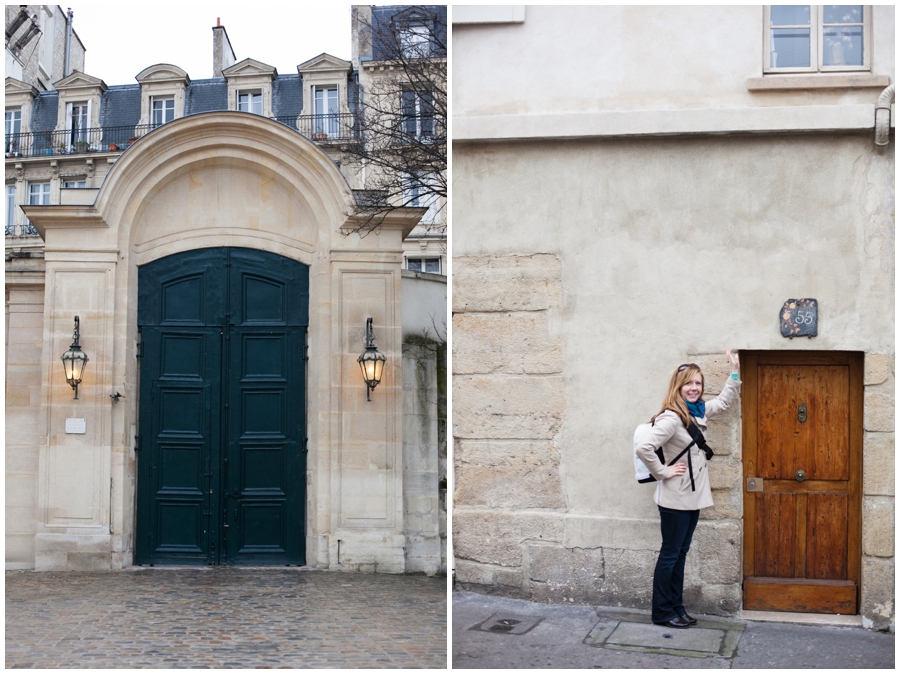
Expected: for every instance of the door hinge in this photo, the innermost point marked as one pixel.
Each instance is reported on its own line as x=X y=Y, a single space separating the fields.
x=305 y=449
x=139 y=350
x=137 y=443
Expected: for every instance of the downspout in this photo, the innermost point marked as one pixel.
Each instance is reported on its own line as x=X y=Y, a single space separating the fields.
x=883 y=117
x=66 y=71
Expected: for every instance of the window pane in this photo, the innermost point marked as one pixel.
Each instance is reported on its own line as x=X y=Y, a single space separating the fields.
x=414 y=264
x=10 y=210
x=790 y=48
x=843 y=46
x=790 y=15
x=843 y=13
x=433 y=266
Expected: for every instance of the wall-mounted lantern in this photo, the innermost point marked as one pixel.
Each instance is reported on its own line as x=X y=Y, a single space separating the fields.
x=371 y=362
x=74 y=361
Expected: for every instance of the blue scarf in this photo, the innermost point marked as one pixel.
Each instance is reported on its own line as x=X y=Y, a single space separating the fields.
x=697 y=409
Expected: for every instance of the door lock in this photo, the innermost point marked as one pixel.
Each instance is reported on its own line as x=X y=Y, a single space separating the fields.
x=800 y=475
x=802 y=414
x=754 y=484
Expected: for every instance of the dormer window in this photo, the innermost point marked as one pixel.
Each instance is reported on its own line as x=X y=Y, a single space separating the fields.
x=162 y=110
x=326 y=111
x=250 y=101
x=78 y=117
x=13 y=129
x=415 y=41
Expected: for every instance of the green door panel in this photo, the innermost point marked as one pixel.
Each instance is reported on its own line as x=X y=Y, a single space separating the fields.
x=222 y=468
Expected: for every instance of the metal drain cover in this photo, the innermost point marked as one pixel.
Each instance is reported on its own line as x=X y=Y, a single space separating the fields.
x=508 y=623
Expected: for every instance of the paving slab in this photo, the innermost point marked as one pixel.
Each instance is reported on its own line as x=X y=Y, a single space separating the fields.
x=575 y=637
x=224 y=617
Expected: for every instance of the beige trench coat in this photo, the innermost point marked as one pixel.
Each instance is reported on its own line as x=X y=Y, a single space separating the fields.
x=669 y=433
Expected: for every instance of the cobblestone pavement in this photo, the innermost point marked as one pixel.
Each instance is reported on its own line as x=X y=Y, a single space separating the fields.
x=224 y=617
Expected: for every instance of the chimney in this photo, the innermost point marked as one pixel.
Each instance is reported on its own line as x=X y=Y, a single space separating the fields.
x=223 y=54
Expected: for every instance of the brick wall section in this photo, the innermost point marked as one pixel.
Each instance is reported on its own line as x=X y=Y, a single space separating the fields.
x=508 y=409
x=878 y=492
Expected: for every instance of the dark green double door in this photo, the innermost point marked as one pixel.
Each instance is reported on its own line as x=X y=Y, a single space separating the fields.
x=222 y=463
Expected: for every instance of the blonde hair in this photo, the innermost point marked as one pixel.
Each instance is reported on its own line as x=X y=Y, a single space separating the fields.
x=674 y=401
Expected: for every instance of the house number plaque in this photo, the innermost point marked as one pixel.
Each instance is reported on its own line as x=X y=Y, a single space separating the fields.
x=800 y=318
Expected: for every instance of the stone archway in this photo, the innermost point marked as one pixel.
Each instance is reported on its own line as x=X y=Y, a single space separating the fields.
x=211 y=180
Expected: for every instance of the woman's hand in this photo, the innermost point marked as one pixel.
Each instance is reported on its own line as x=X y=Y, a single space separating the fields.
x=675 y=470
x=733 y=361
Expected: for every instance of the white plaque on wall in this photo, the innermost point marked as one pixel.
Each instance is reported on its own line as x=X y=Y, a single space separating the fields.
x=76 y=426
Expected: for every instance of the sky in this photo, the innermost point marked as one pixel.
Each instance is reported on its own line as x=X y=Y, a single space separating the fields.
x=122 y=39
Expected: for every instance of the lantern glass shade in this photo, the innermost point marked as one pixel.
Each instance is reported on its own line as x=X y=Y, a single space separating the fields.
x=372 y=365
x=74 y=361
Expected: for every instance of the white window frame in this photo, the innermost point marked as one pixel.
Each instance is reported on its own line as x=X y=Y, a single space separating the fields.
x=429 y=200
x=166 y=110
x=73 y=135
x=39 y=197
x=422 y=261
x=253 y=100
x=418 y=113
x=816 y=43
x=11 y=208
x=326 y=108
x=13 y=126
x=74 y=184
x=412 y=38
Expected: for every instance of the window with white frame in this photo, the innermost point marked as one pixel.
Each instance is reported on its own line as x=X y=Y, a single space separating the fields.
x=325 y=107
x=419 y=190
x=78 y=116
x=818 y=38
x=13 y=128
x=250 y=101
x=75 y=184
x=10 y=227
x=417 y=113
x=430 y=265
x=415 y=41
x=38 y=195
x=162 y=110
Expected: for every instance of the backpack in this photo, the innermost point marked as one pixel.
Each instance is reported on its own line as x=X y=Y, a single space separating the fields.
x=642 y=473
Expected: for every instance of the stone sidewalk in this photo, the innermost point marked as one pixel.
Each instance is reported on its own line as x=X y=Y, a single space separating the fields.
x=224 y=617
x=492 y=632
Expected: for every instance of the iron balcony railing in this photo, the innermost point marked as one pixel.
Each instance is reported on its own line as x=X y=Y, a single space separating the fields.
x=331 y=128
x=73 y=141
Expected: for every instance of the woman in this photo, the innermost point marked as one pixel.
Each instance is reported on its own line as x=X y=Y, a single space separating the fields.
x=682 y=489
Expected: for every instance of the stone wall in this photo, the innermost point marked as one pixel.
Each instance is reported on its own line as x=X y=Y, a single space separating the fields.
x=424 y=512
x=628 y=256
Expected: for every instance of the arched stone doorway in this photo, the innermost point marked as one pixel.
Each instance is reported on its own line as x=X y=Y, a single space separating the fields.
x=208 y=181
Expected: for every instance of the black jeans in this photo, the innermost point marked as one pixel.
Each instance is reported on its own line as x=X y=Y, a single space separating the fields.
x=668 y=580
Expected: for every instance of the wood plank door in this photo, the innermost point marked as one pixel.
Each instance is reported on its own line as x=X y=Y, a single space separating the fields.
x=802 y=428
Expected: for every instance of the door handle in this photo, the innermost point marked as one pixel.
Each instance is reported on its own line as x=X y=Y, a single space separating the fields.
x=800 y=475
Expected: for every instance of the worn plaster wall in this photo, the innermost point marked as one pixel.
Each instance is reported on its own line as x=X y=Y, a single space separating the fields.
x=630 y=256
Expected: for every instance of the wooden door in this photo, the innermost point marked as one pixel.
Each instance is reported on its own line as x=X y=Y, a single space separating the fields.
x=802 y=428
x=222 y=465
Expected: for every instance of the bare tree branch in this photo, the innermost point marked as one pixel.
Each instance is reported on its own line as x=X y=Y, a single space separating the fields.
x=403 y=119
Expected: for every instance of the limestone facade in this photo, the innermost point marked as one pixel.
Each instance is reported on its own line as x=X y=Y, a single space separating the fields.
x=657 y=203
x=205 y=179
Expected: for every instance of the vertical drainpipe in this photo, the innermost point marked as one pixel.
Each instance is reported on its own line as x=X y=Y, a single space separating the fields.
x=67 y=66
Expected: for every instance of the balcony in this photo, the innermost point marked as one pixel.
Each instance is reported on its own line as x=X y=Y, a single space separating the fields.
x=322 y=129
x=78 y=141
